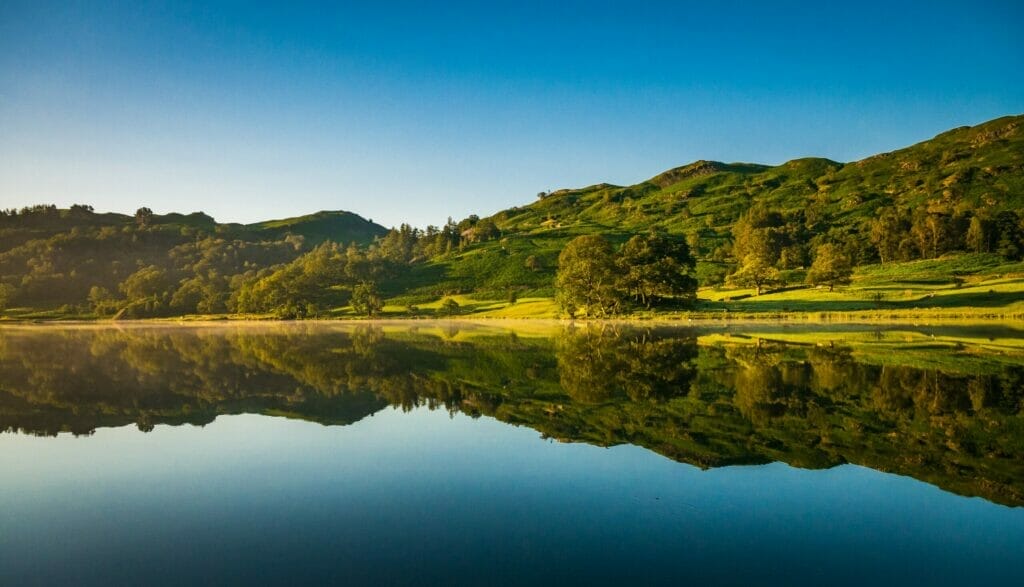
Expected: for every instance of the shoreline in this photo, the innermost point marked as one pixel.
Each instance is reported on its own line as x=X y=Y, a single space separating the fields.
x=733 y=319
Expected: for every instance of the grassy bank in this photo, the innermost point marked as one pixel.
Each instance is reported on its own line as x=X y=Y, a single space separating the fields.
x=966 y=288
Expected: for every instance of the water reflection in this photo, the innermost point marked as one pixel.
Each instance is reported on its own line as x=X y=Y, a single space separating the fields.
x=950 y=415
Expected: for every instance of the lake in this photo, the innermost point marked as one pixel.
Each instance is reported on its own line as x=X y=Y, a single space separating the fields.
x=459 y=453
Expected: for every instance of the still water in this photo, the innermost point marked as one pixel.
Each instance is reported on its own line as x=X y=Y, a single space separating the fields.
x=455 y=453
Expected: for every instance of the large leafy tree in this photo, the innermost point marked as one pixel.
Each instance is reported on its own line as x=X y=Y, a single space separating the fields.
x=366 y=299
x=759 y=239
x=655 y=266
x=586 y=280
x=757 y=271
x=933 y=233
x=831 y=267
x=760 y=231
x=143 y=216
x=7 y=292
x=148 y=282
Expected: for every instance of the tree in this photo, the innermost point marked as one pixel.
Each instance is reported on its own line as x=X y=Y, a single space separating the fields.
x=656 y=266
x=148 y=282
x=100 y=299
x=1011 y=236
x=188 y=295
x=979 y=235
x=7 y=292
x=81 y=211
x=887 y=232
x=759 y=229
x=831 y=266
x=759 y=238
x=449 y=307
x=586 y=277
x=215 y=296
x=365 y=299
x=756 y=271
x=143 y=216
x=932 y=232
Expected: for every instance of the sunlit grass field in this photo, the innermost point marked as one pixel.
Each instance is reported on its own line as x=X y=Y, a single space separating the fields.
x=955 y=288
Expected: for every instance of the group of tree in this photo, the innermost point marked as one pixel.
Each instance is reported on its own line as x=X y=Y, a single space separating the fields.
x=596 y=280
x=901 y=235
x=407 y=244
x=768 y=242
x=327 y=276
x=144 y=266
x=148 y=265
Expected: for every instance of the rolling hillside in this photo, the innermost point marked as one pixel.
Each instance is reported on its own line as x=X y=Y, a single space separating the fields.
x=975 y=170
x=934 y=225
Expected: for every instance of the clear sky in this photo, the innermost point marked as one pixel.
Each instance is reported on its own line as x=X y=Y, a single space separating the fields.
x=417 y=111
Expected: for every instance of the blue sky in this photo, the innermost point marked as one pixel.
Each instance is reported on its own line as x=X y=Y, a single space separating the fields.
x=417 y=111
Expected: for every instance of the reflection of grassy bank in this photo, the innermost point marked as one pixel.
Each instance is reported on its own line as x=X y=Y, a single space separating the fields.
x=970 y=351
x=942 y=404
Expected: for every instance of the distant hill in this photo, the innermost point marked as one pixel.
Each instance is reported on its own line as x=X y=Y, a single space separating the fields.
x=51 y=257
x=337 y=226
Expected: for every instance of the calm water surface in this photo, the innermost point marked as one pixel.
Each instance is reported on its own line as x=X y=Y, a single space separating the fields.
x=461 y=454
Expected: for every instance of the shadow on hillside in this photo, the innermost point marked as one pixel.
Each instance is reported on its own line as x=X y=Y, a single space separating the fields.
x=974 y=299
x=424 y=275
x=968 y=299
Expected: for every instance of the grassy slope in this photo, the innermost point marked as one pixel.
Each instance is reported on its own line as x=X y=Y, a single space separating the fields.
x=974 y=168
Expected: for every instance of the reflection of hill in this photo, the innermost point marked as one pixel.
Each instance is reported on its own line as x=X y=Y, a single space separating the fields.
x=709 y=404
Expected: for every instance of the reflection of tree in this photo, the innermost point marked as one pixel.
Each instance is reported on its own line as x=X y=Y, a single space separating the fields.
x=766 y=386
x=589 y=364
x=833 y=367
x=902 y=392
x=597 y=364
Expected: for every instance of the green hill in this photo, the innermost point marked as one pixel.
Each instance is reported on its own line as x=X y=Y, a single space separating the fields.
x=959 y=174
x=337 y=226
x=936 y=225
x=977 y=169
x=68 y=262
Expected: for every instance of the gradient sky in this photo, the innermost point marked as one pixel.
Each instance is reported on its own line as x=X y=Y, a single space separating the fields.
x=417 y=111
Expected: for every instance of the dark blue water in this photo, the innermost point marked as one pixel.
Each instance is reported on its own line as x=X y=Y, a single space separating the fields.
x=423 y=497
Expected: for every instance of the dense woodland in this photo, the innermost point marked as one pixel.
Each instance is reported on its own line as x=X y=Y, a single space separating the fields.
x=600 y=250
